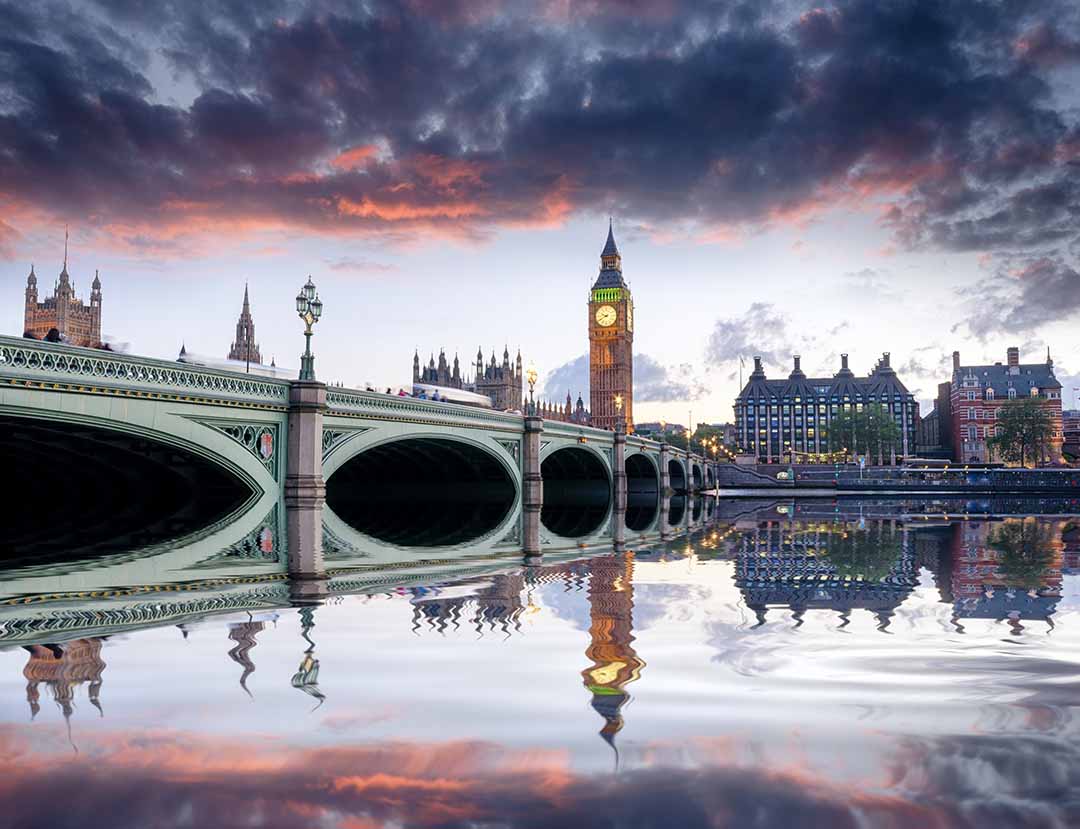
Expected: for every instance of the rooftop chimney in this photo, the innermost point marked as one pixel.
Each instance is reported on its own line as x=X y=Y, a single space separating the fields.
x=797 y=360
x=1013 y=356
x=956 y=361
x=758 y=370
x=843 y=362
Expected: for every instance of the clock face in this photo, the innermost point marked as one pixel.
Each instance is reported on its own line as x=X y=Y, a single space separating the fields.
x=630 y=316
x=606 y=315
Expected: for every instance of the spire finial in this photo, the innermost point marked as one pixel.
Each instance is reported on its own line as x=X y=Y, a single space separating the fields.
x=65 y=245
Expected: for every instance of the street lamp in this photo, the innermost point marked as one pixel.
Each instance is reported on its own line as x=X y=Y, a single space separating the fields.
x=663 y=429
x=530 y=377
x=309 y=309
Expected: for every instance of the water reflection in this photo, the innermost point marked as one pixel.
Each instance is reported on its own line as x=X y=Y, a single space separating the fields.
x=810 y=664
x=611 y=623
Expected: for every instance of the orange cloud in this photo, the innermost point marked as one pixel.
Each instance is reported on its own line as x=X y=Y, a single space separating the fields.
x=354 y=157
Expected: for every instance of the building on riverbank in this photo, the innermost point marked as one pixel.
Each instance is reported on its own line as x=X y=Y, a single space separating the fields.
x=787 y=419
x=75 y=322
x=978 y=393
x=502 y=383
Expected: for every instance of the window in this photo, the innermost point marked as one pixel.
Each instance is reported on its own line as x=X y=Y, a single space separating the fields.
x=970 y=414
x=971 y=433
x=989 y=394
x=1012 y=394
x=971 y=395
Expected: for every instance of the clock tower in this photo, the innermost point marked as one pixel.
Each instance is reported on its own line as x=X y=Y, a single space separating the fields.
x=611 y=342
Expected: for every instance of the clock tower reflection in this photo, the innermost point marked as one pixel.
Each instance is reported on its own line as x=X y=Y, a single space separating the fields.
x=614 y=662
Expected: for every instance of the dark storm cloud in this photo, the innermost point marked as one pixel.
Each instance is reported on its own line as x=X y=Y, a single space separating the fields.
x=653 y=381
x=467 y=116
x=173 y=779
x=1024 y=297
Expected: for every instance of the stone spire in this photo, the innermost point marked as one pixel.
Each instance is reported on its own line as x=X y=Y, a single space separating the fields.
x=610 y=248
x=244 y=346
x=610 y=264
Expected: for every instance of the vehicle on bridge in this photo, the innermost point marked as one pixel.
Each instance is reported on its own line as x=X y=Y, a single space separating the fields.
x=236 y=365
x=451 y=395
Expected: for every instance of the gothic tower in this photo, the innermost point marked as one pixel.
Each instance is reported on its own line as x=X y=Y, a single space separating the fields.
x=611 y=342
x=76 y=323
x=244 y=347
x=31 y=301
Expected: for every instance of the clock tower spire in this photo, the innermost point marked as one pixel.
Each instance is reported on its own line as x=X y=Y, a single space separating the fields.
x=611 y=342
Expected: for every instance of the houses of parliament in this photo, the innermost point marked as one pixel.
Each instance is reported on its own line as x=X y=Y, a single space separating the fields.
x=611 y=366
x=63 y=316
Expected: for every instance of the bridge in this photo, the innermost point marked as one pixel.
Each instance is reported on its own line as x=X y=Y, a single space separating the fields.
x=112 y=449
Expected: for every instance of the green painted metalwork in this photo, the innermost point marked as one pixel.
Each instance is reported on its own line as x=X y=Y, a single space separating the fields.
x=607 y=294
x=89 y=370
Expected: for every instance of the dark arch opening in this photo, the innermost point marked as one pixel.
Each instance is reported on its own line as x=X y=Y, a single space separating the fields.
x=577 y=492
x=677 y=474
x=422 y=492
x=710 y=478
x=78 y=491
x=699 y=505
x=642 y=493
x=676 y=510
x=696 y=473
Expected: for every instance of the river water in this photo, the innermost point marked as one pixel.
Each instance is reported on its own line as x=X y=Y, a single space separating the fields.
x=813 y=663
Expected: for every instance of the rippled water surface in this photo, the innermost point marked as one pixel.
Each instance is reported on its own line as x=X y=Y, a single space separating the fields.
x=783 y=664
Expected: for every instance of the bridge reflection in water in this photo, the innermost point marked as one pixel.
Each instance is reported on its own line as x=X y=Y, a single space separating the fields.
x=789 y=559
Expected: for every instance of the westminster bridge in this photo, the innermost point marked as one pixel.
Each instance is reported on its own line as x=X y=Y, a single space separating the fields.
x=114 y=451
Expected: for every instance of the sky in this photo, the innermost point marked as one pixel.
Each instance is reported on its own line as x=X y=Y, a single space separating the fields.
x=857 y=177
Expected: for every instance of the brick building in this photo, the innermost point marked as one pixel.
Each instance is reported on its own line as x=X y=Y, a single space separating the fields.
x=75 y=322
x=977 y=395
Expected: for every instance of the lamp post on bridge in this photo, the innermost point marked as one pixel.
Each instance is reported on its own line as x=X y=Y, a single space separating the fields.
x=530 y=377
x=309 y=309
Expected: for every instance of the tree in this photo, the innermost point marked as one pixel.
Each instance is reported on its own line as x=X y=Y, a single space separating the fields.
x=872 y=431
x=1027 y=553
x=1023 y=431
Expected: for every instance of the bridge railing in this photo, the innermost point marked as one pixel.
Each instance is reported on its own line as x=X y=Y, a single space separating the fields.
x=70 y=368
x=356 y=403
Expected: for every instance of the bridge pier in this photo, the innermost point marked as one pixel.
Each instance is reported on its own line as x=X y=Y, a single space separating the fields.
x=532 y=488
x=618 y=478
x=665 y=471
x=305 y=490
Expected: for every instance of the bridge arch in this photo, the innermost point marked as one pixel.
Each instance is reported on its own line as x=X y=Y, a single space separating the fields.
x=89 y=485
x=677 y=474
x=710 y=477
x=695 y=472
x=426 y=489
x=577 y=491
x=642 y=491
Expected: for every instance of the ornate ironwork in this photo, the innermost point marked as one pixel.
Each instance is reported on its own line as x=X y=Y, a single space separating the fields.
x=260 y=439
x=513 y=447
x=333 y=439
x=90 y=370
x=354 y=403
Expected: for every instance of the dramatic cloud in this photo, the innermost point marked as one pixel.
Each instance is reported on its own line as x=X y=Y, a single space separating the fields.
x=1023 y=298
x=174 y=779
x=653 y=381
x=759 y=332
x=406 y=119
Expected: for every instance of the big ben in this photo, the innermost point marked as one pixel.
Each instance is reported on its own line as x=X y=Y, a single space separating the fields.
x=611 y=343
